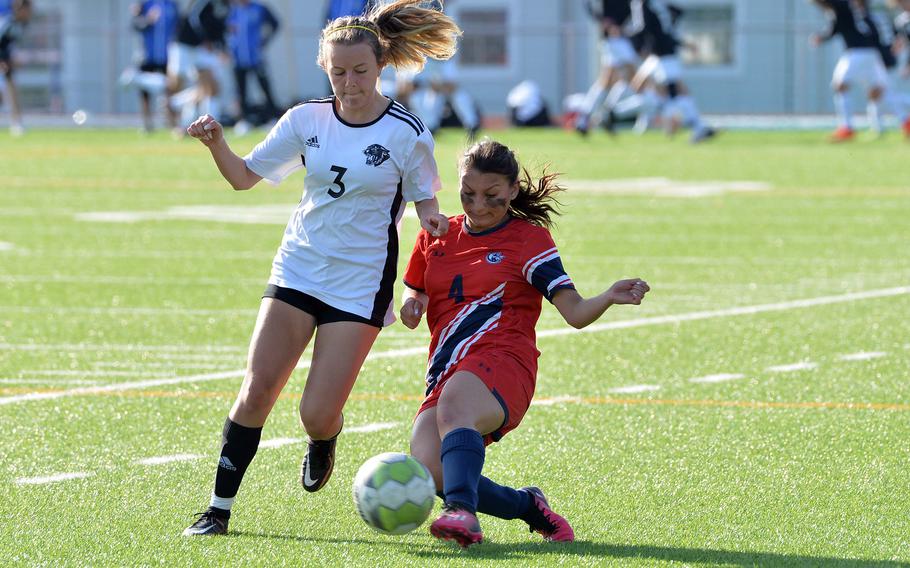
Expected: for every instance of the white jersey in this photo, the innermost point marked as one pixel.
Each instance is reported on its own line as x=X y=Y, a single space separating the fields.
x=341 y=243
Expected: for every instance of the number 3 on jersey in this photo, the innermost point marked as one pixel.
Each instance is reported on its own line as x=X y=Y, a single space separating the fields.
x=337 y=181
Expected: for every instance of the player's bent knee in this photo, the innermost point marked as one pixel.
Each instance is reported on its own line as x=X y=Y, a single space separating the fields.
x=319 y=424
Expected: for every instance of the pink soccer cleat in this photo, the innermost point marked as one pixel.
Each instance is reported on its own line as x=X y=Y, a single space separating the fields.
x=543 y=520
x=459 y=525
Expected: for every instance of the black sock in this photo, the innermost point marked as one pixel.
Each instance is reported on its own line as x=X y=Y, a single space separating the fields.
x=238 y=446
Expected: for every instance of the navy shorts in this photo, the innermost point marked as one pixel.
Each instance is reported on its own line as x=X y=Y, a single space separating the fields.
x=323 y=312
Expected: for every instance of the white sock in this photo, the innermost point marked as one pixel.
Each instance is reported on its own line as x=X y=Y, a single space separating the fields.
x=616 y=94
x=222 y=502
x=896 y=104
x=875 y=116
x=842 y=106
x=593 y=99
x=689 y=110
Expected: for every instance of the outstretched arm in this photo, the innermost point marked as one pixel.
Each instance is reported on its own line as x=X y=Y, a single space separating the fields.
x=234 y=169
x=580 y=312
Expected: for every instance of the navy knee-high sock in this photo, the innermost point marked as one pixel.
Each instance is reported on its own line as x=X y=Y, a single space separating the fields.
x=462 y=454
x=501 y=501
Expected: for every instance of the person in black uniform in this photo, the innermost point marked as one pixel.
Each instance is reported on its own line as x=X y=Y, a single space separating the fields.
x=653 y=27
x=617 y=60
x=197 y=56
x=861 y=61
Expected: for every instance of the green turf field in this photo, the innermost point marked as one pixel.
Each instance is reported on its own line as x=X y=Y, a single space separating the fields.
x=754 y=411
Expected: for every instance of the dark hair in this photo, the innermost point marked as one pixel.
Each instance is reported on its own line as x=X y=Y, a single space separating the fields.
x=402 y=34
x=535 y=202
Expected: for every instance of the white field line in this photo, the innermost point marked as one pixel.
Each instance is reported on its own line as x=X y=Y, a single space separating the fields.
x=395 y=353
x=278 y=442
x=161 y=460
x=173 y=458
x=740 y=311
x=52 y=478
x=791 y=367
x=119 y=347
x=46 y=381
x=634 y=389
x=556 y=400
x=718 y=378
x=68 y=373
x=862 y=356
x=6 y=246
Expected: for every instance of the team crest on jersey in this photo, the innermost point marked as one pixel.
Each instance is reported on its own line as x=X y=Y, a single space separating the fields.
x=495 y=257
x=376 y=155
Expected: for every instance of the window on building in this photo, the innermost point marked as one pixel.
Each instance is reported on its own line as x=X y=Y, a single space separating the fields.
x=710 y=30
x=38 y=57
x=484 y=43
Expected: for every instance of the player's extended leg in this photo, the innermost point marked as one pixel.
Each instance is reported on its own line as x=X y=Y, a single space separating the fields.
x=466 y=410
x=280 y=336
x=338 y=354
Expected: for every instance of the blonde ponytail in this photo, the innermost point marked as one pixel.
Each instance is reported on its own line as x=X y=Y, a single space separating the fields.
x=401 y=34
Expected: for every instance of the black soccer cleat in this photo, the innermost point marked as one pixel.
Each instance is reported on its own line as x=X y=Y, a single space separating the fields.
x=210 y=522
x=318 y=462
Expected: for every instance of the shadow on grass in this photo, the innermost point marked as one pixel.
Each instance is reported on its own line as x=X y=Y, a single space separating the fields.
x=592 y=550
x=693 y=556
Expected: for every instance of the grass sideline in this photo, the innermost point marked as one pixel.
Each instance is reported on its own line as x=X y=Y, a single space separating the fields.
x=789 y=448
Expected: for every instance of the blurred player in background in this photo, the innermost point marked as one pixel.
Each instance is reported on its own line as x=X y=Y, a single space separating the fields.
x=12 y=26
x=617 y=60
x=658 y=81
x=251 y=27
x=334 y=274
x=861 y=62
x=156 y=21
x=196 y=57
x=481 y=286
x=895 y=102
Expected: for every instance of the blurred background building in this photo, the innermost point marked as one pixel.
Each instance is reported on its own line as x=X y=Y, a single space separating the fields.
x=753 y=55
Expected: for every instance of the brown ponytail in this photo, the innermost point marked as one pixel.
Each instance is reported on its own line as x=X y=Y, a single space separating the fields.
x=401 y=34
x=536 y=202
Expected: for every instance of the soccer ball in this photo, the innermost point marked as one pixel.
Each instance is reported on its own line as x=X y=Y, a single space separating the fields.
x=394 y=493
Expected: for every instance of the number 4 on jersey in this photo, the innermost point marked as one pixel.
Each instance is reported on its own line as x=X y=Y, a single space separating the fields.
x=456 y=290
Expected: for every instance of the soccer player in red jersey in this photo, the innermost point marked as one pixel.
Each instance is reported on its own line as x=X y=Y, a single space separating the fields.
x=481 y=287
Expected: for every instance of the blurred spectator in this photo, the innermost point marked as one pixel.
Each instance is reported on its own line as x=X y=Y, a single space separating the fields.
x=527 y=106
x=156 y=21
x=428 y=93
x=12 y=26
x=251 y=26
x=341 y=8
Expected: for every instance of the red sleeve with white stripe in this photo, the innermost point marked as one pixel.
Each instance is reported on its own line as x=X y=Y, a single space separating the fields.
x=543 y=266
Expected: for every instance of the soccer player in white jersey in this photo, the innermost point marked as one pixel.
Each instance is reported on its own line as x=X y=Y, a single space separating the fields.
x=333 y=275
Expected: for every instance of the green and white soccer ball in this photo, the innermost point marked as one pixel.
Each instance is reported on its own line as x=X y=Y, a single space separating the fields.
x=394 y=493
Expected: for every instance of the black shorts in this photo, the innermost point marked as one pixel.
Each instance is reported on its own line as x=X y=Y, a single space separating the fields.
x=323 y=312
x=153 y=68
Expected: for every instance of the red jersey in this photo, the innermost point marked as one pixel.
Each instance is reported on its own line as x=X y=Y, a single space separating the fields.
x=484 y=290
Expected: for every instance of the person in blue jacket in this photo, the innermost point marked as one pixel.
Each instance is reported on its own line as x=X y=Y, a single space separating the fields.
x=251 y=26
